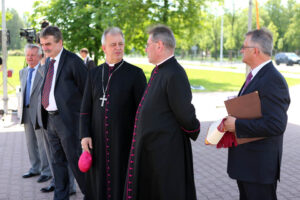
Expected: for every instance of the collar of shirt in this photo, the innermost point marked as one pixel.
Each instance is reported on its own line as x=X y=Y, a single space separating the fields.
x=34 y=72
x=35 y=67
x=86 y=59
x=57 y=58
x=164 y=60
x=259 y=67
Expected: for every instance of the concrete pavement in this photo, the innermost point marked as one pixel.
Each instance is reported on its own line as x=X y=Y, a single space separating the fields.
x=212 y=181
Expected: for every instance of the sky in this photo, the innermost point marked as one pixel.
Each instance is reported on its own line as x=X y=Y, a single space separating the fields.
x=22 y=7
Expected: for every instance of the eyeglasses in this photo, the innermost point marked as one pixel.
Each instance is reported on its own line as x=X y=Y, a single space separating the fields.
x=246 y=47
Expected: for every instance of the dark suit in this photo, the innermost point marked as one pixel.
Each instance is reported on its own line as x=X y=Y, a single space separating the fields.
x=259 y=162
x=63 y=128
x=89 y=63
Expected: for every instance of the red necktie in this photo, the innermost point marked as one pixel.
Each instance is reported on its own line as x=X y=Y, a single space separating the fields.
x=47 y=85
x=249 y=77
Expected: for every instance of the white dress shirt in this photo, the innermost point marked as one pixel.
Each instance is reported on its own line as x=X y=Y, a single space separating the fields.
x=52 y=103
x=259 y=67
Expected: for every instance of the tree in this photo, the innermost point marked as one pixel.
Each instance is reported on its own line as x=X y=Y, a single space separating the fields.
x=83 y=21
x=8 y=16
x=292 y=35
x=14 y=25
x=274 y=32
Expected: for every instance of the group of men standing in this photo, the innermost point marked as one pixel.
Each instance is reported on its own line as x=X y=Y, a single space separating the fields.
x=137 y=133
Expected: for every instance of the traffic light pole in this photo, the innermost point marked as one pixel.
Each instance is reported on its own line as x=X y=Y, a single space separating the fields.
x=4 y=59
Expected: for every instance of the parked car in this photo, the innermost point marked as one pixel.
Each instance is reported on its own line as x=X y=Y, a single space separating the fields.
x=287 y=58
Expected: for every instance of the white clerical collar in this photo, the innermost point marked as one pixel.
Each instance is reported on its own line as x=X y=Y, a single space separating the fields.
x=165 y=60
x=259 y=67
x=112 y=65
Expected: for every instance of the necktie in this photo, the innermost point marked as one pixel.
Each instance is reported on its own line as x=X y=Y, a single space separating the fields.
x=249 y=77
x=47 y=85
x=28 y=86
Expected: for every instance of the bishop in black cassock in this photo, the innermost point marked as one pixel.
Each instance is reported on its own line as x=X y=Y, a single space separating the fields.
x=108 y=120
x=161 y=164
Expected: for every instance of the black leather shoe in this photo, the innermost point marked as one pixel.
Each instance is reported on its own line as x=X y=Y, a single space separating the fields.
x=43 y=178
x=29 y=174
x=50 y=188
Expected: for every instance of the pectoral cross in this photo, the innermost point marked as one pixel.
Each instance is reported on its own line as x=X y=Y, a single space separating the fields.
x=103 y=99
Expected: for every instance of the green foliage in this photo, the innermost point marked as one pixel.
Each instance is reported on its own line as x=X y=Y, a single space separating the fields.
x=194 y=23
x=14 y=63
x=83 y=21
x=14 y=25
x=292 y=35
x=274 y=31
x=8 y=16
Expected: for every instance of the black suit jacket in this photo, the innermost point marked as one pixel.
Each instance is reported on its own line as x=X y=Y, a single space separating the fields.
x=68 y=91
x=90 y=63
x=259 y=161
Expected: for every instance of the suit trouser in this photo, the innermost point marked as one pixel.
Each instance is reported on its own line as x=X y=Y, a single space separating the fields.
x=72 y=184
x=35 y=146
x=256 y=191
x=65 y=150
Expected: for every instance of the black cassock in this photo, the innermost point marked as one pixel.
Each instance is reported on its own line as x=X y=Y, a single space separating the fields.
x=161 y=163
x=110 y=126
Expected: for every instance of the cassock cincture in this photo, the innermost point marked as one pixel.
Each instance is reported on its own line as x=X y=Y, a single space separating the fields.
x=103 y=98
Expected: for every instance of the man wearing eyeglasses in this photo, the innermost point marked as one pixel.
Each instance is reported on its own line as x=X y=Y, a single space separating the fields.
x=256 y=165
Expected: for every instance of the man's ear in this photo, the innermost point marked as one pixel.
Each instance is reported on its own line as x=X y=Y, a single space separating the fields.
x=257 y=51
x=160 y=45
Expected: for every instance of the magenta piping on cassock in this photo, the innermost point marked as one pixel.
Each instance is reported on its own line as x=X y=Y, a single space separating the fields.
x=193 y=131
x=132 y=153
x=107 y=144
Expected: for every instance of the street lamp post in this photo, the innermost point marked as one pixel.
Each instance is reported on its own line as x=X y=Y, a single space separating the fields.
x=249 y=29
x=4 y=60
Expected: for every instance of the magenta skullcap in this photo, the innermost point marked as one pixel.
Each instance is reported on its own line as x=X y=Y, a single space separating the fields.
x=85 y=161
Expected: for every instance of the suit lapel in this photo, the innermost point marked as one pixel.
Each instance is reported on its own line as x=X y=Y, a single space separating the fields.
x=24 y=79
x=60 y=64
x=241 y=89
x=252 y=85
x=37 y=80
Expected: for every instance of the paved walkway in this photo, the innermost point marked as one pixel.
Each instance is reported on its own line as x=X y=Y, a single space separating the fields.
x=212 y=181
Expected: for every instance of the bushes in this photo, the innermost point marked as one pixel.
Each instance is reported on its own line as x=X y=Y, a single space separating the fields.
x=16 y=53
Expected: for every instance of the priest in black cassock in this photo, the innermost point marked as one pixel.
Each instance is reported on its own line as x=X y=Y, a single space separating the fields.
x=111 y=97
x=161 y=163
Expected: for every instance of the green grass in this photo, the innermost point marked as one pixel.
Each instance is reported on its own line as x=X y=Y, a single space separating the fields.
x=16 y=63
x=212 y=81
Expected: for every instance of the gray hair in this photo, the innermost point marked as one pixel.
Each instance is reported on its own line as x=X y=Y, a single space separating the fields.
x=164 y=34
x=52 y=31
x=32 y=46
x=263 y=37
x=112 y=31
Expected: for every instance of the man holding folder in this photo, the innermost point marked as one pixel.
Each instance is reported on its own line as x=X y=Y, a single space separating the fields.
x=256 y=165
